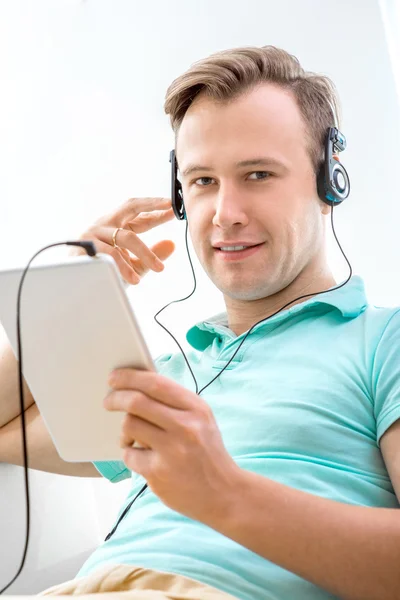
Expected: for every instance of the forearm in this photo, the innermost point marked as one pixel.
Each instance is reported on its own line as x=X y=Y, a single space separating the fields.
x=9 y=387
x=350 y=551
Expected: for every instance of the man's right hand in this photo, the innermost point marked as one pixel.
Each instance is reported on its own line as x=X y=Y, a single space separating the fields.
x=137 y=215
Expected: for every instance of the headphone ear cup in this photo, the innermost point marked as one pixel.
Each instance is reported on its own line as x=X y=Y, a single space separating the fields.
x=179 y=207
x=176 y=189
x=321 y=188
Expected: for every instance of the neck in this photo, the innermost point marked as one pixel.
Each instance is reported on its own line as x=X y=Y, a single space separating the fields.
x=243 y=314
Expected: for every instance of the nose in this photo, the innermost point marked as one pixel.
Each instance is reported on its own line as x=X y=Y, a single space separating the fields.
x=230 y=207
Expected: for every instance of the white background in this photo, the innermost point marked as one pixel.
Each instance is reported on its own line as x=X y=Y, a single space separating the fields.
x=82 y=129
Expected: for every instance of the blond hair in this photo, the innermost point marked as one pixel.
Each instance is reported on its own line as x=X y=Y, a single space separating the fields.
x=225 y=75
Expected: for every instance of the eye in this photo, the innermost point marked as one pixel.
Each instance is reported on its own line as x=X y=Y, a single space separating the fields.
x=263 y=173
x=201 y=185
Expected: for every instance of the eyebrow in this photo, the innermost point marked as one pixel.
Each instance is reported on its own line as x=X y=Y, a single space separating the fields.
x=254 y=162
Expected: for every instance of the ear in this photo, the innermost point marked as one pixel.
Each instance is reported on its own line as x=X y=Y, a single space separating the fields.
x=325 y=208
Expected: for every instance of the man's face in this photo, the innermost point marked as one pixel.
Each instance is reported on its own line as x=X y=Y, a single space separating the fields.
x=273 y=204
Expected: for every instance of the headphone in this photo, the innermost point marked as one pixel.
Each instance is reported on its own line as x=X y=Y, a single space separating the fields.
x=333 y=183
x=333 y=187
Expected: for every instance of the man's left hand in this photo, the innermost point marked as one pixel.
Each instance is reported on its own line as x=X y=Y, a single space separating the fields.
x=183 y=458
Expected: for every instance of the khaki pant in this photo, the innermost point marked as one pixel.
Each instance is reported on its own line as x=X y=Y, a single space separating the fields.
x=124 y=582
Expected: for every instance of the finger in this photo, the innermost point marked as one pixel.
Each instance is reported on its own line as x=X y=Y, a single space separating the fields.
x=148 y=220
x=143 y=406
x=156 y=386
x=136 y=278
x=136 y=429
x=134 y=206
x=130 y=241
x=125 y=267
x=138 y=460
x=162 y=249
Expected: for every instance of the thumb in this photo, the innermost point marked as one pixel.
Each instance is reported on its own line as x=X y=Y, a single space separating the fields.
x=163 y=249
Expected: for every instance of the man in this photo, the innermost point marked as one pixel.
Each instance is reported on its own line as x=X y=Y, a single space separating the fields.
x=279 y=480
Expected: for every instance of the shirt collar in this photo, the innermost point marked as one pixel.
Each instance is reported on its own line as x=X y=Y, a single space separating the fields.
x=350 y=300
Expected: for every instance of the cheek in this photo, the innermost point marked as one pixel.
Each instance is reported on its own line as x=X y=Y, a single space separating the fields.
x=294 y=233
x=282 y=226
x=198 y=237
x=286 y=240
x=303 y=234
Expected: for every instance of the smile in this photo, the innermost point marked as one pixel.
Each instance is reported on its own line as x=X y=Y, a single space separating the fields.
x=231 y=255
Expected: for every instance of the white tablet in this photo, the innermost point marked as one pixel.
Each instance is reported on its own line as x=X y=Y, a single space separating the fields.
x=77 y=325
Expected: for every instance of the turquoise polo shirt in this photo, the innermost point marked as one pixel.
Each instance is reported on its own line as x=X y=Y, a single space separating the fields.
x=304 y=402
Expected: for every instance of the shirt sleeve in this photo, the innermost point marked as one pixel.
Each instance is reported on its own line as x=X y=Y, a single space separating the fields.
x=386 y=376
x=116 y=470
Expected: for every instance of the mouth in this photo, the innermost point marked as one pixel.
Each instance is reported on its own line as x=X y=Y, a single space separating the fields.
x=232 y=255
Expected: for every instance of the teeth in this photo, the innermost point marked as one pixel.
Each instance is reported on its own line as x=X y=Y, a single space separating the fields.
x=232 y=248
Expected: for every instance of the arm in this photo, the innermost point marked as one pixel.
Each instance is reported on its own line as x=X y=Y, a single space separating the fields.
x=350 y=551
x=9 y=388
x=42 y=454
